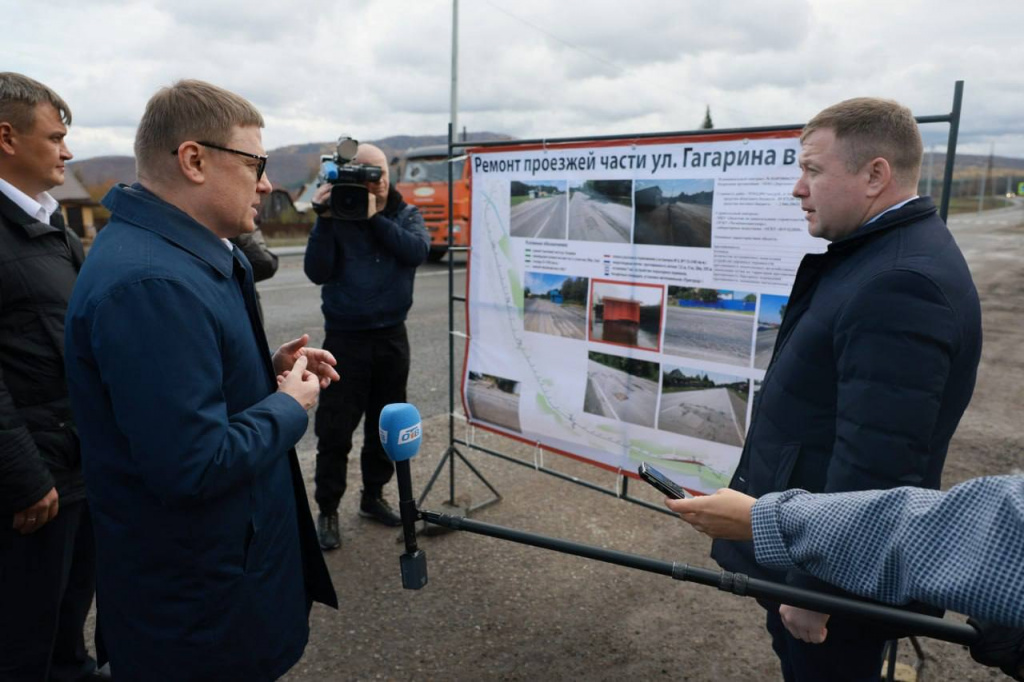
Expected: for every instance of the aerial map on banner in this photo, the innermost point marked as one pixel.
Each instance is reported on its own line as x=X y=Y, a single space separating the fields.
x=624 y=300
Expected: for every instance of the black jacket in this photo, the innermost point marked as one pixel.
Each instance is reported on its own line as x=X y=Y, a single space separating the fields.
x=264 y=262
x=367 y=267
x=38 y=441
x=873 y=367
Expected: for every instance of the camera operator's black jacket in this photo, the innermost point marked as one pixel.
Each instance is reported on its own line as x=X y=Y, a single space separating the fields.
x=38 y=441
x=367 y=267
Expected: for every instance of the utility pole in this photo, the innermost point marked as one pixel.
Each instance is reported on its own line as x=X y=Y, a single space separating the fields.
x=984 y=177
x=455 y=68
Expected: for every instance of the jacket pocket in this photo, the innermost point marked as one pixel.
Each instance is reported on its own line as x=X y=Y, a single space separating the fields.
x=59 y=447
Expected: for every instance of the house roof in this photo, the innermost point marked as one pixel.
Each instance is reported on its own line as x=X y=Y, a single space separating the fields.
x=304 y=201
x=72 y=191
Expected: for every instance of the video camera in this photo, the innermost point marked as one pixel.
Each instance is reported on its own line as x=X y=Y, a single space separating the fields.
x=349 y=199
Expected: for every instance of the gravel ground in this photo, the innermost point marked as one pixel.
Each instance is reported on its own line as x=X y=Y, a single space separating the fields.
x=495 y=610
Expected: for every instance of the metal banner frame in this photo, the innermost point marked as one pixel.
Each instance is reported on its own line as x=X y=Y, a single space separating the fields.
x=452 y=452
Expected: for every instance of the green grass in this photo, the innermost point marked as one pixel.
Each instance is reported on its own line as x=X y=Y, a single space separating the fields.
x=520 y=200
x=970 y=204
x=286 y=241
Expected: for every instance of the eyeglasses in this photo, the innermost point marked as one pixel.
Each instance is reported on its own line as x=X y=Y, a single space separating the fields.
x=262 y=166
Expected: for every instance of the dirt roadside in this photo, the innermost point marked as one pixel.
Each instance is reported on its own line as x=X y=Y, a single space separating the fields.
x=495 y=610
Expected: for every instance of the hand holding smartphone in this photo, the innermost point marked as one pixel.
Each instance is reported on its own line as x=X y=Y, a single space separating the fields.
x=662 y=482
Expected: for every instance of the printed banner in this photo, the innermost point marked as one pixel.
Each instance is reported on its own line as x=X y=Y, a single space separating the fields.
x=624 y=299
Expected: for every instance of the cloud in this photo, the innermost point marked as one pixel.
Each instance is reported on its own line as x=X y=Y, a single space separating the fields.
x=530 y=68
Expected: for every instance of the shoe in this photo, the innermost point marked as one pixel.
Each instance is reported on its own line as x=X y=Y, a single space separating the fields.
x=327 y=531
x=375 y=507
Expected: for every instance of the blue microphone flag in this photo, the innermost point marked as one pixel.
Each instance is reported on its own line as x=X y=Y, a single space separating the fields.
x=400 y=431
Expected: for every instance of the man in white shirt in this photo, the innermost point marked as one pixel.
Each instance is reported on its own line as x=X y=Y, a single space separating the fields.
x=46 y=543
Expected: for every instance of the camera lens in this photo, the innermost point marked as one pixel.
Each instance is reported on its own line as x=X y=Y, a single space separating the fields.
x=350 y=202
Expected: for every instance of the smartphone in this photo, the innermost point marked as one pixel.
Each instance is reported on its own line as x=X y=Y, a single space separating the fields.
x=662 y=482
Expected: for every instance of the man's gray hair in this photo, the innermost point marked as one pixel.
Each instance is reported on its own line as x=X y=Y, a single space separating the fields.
x=869 y=128
x=187 y=110
x=19 y=97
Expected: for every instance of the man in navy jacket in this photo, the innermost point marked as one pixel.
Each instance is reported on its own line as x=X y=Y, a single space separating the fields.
x=367 y=269
x=875 y=360
x=206 y=552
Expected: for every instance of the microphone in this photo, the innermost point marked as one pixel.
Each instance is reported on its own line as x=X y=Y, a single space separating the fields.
x=401 y=432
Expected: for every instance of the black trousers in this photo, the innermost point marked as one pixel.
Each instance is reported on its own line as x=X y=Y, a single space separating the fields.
x=852 y=651
x=47 y=581
x=374 y=369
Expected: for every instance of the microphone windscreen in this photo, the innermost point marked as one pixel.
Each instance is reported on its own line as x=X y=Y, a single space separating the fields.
x=400 y=431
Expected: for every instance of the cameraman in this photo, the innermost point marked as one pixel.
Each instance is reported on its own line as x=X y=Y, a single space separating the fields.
x=367 y=268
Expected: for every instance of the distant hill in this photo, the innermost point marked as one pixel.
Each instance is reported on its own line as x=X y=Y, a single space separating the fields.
x=290 y=167
x=972 y=164
x=104 y=170
x=294 y=165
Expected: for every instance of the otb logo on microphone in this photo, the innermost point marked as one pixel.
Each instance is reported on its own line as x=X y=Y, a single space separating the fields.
x=409 y=434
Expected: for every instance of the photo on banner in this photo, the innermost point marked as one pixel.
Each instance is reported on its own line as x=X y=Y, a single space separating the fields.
x=601 y=210
x=555 y=304
x=538 y=208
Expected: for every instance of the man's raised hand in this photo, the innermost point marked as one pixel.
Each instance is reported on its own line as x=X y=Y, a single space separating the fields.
x=319 y=362
x=300 y=384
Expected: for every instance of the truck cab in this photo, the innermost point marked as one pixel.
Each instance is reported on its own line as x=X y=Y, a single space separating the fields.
x=423 y=182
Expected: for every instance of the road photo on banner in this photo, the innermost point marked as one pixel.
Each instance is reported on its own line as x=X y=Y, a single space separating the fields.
x=621 y=388
x=538 y=209
x=769 y=319
x=494 y=399
x=716 y=325
x=555 y=304
x=703 y=404
x=626 y=314
x=673 y=212
x=600 y=210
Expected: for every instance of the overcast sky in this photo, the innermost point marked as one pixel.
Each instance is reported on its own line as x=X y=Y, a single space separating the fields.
x=528 y=68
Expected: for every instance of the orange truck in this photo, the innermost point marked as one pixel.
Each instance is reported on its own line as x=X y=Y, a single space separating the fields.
x=423 y=182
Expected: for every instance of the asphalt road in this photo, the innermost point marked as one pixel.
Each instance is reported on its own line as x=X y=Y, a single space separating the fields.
x=988 y=235
x=541 y=315
x=291 y=306
x=598 y=221
x=542 y=218
x=675 y=225
x=618 y=395
x=764 y=346
x=717 y=336
x=709 y=414
x=488 y=403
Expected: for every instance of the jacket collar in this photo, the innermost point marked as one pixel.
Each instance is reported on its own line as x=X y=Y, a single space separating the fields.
x=15 y=214
x=141 y=208
x=912 y=211
x=395 y=202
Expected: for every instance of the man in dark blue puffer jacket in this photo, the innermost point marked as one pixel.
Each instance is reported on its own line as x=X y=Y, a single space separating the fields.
x=874 y=363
